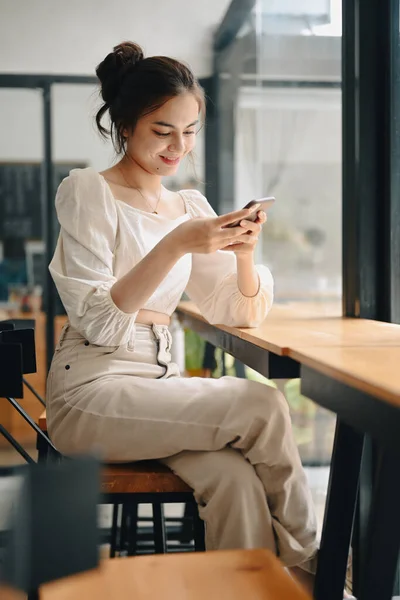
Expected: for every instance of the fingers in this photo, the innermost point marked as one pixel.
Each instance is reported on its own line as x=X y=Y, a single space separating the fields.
x=261 y=217
x=230 y=234
x=254 y=225
x=246 y=238
x=237 y=215
x=244 y=235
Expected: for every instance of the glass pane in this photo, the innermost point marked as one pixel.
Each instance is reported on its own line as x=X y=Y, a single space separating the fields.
x=288 y=144
x=20 y=196
x=280 y=131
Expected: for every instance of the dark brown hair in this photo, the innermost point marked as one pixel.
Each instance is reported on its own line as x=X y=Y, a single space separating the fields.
x=133 y=86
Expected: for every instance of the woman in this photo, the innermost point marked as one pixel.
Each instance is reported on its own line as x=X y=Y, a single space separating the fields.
x=127 y=250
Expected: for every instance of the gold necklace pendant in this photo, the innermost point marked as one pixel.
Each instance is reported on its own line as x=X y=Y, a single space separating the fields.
x=153 y=210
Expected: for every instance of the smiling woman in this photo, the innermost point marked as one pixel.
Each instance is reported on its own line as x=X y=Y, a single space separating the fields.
x=154 y=149
x=158 y=145
x=133 y=86
x=128 y=248
x=154 y=105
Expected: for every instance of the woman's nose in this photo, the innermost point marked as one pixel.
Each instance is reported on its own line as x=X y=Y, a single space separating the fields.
x=178 y=144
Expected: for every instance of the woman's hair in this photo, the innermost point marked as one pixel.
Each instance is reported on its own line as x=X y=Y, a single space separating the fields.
x=133 y=86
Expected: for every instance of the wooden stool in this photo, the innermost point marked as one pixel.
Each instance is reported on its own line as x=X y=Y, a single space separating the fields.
x=220 y=575
x=131 y=484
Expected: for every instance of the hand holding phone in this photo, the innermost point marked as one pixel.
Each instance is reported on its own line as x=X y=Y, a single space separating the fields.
x=265 y=204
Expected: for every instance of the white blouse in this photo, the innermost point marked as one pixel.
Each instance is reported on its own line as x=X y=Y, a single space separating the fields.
x=102 y=238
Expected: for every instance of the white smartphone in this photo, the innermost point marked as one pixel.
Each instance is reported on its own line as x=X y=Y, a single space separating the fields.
x=265 y=205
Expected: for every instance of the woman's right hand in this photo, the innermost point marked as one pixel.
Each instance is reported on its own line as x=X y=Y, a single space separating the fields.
x=207 y=235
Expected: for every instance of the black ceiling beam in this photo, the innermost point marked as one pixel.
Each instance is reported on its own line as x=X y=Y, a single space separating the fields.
x=233 y=20
x=289 y=83
x=23 y=80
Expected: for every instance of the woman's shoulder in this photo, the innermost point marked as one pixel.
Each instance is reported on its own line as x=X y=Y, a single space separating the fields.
x=198 y=203
x=86 y=176
x=84 y=189
x=80 y=178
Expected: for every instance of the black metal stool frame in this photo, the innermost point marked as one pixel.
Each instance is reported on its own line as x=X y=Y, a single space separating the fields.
x=130 y=503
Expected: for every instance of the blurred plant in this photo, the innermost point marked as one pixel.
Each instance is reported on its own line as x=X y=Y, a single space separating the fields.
x=297 y=401
x=194 y=350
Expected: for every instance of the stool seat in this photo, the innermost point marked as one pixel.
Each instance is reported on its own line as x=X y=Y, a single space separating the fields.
x=147 y=476
x=219 y=575
x=141 y=477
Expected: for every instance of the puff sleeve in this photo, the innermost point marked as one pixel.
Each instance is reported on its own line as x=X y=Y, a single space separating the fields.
x=82 y=265
x=213 y=282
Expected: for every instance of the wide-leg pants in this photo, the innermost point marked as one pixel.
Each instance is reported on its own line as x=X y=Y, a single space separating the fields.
x=230 y=439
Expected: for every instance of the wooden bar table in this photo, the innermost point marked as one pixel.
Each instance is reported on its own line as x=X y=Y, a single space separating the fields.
x=362 y=386
x=221 y=575
x=286 y=327
x=351 y=367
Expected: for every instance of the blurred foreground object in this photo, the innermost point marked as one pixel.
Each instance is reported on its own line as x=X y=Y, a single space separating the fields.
x=52 y=530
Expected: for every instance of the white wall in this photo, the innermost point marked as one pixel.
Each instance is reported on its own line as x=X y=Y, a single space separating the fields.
x=56 y=36
x=51 y=36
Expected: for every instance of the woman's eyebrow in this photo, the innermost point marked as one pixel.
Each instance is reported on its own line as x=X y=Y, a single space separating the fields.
x=164 y=124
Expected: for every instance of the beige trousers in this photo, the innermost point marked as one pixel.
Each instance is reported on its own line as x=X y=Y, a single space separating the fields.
x=230 y=439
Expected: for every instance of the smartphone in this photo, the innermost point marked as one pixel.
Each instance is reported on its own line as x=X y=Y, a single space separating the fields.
x=265 y=204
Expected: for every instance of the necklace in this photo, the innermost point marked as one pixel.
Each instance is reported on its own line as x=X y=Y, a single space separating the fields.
x=153 y=209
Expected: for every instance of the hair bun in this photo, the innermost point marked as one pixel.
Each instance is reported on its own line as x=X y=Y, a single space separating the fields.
x=128 y=52
x=111 y=71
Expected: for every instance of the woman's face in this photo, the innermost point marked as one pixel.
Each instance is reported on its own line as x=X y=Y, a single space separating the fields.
x=161 y=139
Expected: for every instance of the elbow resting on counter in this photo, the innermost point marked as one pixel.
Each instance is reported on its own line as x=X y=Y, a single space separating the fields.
x=228 y=306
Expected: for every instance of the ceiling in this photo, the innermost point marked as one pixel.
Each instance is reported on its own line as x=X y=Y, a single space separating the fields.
x=50 y=36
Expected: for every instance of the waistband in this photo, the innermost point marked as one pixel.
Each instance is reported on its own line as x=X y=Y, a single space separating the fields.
x=156 y=331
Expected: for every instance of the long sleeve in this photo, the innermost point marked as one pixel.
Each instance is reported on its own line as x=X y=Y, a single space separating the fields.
x=213 y=282
x=82 y=266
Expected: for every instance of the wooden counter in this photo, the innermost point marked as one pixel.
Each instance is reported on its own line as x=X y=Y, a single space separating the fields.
x=373 y=370
x=222 y=575
x=351 y=367
x=362 y=354
x=307 y=324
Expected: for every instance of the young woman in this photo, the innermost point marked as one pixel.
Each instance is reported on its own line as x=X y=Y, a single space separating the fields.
x=127 y=250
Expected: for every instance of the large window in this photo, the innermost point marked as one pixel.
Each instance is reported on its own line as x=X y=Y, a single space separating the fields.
x=288 y=144
x=280 y=133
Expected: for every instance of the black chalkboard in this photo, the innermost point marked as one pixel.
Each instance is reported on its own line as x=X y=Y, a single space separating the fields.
x=21 y=198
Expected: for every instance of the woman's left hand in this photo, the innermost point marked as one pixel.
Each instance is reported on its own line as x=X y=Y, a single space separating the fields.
x=252 y=230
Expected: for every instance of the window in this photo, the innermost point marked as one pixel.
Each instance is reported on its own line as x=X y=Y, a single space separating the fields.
x=280 y=134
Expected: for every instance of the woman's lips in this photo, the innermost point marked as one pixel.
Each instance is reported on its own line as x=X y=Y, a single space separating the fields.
x=170 y=161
